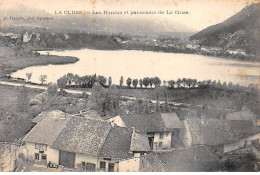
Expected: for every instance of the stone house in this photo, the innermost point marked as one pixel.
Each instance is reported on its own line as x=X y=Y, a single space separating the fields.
x=162 y=129
x=219 y=134
x=84 y=143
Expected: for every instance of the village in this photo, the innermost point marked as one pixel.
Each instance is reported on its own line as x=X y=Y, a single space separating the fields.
x=150 y=140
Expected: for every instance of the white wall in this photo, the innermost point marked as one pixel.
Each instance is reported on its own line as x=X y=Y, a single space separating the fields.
x=116 y=120
x=130 y=165
x=240 y=143
x=29 y=152
x=166 y=140
x=79 y=158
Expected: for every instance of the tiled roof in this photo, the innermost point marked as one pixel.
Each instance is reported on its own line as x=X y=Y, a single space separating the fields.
x=86 y=135
x=139 y=143
x=151 y=163
x=208 y=131
x=83 y=135
x=55 y=113
x=91 y=114
x=190 y=159
x=117 y=144
x=171 y=120
x=47 y=130
x=153 y=122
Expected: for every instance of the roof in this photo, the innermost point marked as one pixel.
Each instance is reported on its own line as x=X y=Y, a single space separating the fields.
x=83 y=135
x=244 y=114
x=86 y=135
x=47 y=130
x=139 y=143
x=107 y=117
x=54 y=113
x=117 y=144
x=91 y=114
x=188 y=159
x=152 y=122
x=209 y=131
x=171 y=120
x=151 y=163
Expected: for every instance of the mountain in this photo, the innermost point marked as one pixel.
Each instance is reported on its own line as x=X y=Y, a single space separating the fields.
x=90 y=23
x=241 y=31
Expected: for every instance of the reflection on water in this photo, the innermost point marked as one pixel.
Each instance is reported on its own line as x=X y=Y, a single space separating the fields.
x=138 y=64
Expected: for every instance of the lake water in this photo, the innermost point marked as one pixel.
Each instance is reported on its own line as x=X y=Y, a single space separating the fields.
x=139 y=64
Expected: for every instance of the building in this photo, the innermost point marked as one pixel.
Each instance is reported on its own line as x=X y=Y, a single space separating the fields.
x=82 y=142
x=196 y=159
x=26 y=37
x=162 y=129
x=145 y=163
x=221 y=135
x=244 y=114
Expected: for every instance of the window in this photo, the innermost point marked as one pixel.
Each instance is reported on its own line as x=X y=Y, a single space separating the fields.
x=83 y=165
x=142 y=154
x=37 y=146
x=160 y=144
x=155 y=144
x=44 y=147
x=44 y=157
x=36 y=156
x=103 y=165
x=161 y=135
x=90 y=167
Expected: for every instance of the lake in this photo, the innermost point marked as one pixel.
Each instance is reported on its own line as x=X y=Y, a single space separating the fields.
x=139 y=64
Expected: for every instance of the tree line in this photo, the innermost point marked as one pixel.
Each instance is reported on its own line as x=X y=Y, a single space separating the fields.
x=87 y=81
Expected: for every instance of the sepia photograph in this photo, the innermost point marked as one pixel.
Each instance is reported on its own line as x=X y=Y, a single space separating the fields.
x=129 y=86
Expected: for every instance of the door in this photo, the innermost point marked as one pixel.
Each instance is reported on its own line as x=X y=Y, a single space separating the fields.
x=111 y=167
x=67 y=159
x=90 y=167
x=151 y=142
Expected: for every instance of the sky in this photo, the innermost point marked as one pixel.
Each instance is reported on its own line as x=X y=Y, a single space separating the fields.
x=202 y=13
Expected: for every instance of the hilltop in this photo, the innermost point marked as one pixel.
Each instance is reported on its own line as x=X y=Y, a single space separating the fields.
x=241 y=31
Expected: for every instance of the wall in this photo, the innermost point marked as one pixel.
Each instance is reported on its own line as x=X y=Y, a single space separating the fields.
x=79 y=158
x=185 y=135
x=130 y=165
x=94 y=160
x=116 y=120
x=166 y=140
x=240 y=143
x=29 y=152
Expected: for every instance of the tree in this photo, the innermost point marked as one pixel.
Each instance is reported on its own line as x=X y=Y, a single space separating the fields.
x=62 y=82
x=171 y=83
x=70 y=78
x=22 y=99
x=102 y=80
x=129 y=82
x=166 y=101
x=157 y=106
x=43 y=78
x=135 y=82
x=189 y=82
x=151 y=82
x=156 y=81
x=52 y=89
x=146 y=81
x=146 y=105
x=121 y=81
x=141 y=83
x=184 y=82
x=28 y=75
x=109 y=81
x=178 y=82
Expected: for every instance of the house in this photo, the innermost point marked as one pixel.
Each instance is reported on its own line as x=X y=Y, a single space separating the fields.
x=82 y=142
x=244 y=114
x=26 y=37
x=162 y=129
x=221 y=135
x=145 y=163
x=198 y=158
